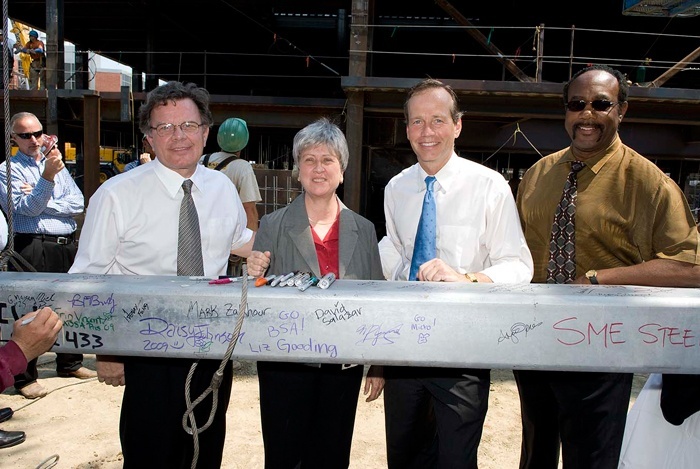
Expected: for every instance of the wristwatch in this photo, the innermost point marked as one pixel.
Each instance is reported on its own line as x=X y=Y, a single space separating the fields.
x=471 y=278
x=592 y=277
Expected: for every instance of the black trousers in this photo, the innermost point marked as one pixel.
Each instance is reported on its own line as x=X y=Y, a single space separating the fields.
x=47 y=256
x=150 y=428
x=307 y=414
x=680 y=397
x=434 y=416
x=585 y=412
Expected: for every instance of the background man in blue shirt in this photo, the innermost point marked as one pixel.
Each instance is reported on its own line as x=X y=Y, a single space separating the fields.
x=45 y=200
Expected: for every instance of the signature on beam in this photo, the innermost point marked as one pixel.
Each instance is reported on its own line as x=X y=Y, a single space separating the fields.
x=517 y=328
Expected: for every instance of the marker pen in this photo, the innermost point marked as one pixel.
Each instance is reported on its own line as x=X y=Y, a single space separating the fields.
x=292 y=281
x=220 y=281
x=326 y=280
x=313 y=280
x=301 y=280
x=282 y=279
x=28 y=320
x=260 y=281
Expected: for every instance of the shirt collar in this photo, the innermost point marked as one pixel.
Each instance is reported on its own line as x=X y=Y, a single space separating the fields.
x=19 y=154
x=596 y=162
x=173 y=181
x=443 y=178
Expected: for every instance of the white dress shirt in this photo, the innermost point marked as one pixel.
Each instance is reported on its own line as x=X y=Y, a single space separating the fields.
x=4 y=231
x=478 y=228
x=131 y=224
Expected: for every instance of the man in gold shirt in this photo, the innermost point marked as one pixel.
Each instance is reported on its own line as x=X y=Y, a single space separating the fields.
x=633 y=226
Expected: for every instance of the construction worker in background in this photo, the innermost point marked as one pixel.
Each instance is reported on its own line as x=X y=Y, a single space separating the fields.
x=146 y=156
x=232 y=139
x=37 y=70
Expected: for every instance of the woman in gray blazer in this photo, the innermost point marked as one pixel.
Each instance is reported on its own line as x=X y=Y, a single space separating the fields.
x=308 y=410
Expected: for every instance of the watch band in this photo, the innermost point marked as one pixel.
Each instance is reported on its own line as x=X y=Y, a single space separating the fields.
x=471 y=277
x=592 y=277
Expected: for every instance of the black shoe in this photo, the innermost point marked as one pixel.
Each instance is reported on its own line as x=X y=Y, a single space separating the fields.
x=5 y=414
x=8 y=439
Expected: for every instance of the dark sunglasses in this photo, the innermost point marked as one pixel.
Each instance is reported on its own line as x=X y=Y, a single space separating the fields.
x=600 y=105
x=28 y=135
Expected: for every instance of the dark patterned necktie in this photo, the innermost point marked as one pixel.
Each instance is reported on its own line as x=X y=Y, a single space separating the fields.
x=424 y=248
x=189 y=242
x=562 y=244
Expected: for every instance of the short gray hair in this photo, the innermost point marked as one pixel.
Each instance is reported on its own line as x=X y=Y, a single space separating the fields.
x=322 y=132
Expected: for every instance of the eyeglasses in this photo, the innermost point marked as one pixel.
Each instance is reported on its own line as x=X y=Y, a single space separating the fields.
x=28 y=135
x=166 y=130
x=600 y=105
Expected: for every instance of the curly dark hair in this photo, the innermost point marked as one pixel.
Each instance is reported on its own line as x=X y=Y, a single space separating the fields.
x=175 y=91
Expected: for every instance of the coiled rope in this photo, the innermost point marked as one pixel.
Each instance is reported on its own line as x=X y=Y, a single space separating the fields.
x=188 y=419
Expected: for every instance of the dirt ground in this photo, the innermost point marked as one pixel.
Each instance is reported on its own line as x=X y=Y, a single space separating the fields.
x=77 y=422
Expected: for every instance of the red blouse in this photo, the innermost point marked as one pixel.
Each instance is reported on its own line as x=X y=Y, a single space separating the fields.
x=327 y=249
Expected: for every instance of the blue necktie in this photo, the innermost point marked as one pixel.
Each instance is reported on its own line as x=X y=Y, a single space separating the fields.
x=424 y=248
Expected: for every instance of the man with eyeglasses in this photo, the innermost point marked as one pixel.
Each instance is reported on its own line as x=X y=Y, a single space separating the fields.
x=631 y=226
x=45 y=200
x=131 y=228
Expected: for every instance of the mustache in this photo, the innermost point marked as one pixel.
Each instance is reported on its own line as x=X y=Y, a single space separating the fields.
x=597 y=126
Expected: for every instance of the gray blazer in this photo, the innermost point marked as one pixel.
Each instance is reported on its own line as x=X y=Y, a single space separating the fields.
x=287 y=235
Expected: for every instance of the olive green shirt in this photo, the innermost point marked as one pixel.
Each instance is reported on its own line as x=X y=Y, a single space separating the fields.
x=627 y=211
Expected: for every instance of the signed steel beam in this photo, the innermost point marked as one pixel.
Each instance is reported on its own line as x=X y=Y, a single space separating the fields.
x=557 y=327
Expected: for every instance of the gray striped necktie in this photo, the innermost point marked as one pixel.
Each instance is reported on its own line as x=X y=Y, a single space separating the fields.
x=189 y=242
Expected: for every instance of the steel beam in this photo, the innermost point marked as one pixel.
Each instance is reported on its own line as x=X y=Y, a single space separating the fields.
x=557 y=327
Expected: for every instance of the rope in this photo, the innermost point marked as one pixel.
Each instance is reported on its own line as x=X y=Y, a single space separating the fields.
x=514 y=138
x=9 y=254
x=192 y=428
x=49 y=462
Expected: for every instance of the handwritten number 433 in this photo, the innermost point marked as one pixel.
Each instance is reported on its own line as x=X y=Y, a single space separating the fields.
x=83 y=339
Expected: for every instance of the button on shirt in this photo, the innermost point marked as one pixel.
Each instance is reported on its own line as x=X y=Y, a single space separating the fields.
x=131 y=225
x=478 y=229
x=50 y=207
x=627 y=211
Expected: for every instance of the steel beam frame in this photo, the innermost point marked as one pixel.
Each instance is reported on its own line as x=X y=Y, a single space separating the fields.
x=554 y=327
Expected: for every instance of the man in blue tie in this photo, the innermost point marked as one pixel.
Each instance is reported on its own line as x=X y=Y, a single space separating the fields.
x=467 y=230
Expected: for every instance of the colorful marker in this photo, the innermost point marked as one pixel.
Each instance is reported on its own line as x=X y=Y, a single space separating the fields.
x=313 y=280
x=220 y=281
x=260 y=281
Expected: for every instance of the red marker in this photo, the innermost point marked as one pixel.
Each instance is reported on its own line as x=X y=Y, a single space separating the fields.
x=220 y=281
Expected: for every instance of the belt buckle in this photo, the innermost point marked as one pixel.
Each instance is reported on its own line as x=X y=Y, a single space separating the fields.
x=61 y=240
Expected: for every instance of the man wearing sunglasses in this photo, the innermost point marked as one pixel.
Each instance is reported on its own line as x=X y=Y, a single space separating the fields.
x=45 y=200
x=631 y=226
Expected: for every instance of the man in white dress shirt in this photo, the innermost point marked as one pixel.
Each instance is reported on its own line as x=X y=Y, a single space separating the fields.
x=131 y=228
x=434 y=416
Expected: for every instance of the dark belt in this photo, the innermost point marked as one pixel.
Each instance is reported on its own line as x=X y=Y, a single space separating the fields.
x=335 y=366
x=62 y=239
